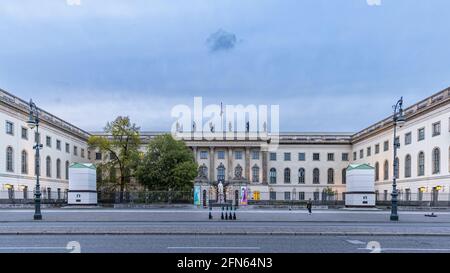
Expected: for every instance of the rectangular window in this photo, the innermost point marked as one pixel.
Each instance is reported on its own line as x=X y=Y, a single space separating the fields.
x=386 y=146
x=344 y=156
x=67 y=148
x=420 y=134
x=58 y=144
x=369 y=151
x=287 y=156
x=255 y=155
x=273 y=195
x=330 y=156
x=48 y=141
x=301 y=156
x=316 y=156
x=89 y=155
x=221 y=155
x=316 y=196
x=301 y=195
x=98 y=156
x=287 y=195
x=377 y=148
x=24 y=133
x=361 y=153
x=354 y=156
x=203 y=154
x=82 y=153
x=238 y=155
x=436 y=128
x=75 y=150
x=10 y=128
x=408 y=138
x=273 y=156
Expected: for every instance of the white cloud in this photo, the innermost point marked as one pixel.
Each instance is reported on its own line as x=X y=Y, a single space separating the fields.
x=373 y=2
x=73 y=2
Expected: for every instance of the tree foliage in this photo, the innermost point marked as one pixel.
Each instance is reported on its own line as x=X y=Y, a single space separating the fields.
x=120 y=149
x=167 y=164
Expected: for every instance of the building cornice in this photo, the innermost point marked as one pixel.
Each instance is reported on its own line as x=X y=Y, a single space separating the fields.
x=414 y=111
x=22 y=106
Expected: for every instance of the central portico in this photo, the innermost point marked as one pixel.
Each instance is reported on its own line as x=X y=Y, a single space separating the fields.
x=237 y=164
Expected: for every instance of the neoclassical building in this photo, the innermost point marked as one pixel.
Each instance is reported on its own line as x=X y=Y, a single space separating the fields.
x=304 y=165
x=63 y=144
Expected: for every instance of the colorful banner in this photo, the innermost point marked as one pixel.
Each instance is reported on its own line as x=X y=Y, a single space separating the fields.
x=197 y=195
x=256 y=195
x=244 y=196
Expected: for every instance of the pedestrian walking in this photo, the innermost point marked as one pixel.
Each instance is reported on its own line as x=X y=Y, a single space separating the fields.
x=309 y=206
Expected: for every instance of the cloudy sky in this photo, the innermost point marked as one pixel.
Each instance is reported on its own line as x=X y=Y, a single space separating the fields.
x=331 y=65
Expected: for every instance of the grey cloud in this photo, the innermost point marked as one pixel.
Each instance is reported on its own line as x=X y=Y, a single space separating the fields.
x=221 y=41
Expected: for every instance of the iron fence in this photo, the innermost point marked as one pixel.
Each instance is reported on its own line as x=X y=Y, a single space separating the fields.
x=260 y=198
x=12 y=196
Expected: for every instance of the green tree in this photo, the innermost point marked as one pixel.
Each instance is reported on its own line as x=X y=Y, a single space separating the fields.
x=120 y=147
x=167 y=164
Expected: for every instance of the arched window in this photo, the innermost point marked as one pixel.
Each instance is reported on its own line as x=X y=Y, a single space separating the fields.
x=67 y=170
x=344 y=176
x=273 y=175
x=421 y=164
x=48 y=166
x=9 y=159
x=397 y=168
x=301 y=176
x=436 y=160
x=408 y=165
x=316 y=176
x=287 y=175
x=58 y=168
x=330 y=176
x=255 y=173
x=377 y=171
x=386 y=170
x=221 y=172
x=24 y=164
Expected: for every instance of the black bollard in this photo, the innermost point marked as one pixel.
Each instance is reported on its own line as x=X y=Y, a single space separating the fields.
x=210 y=214
x=226 y=214
x=230 y=216
x=234 y=213
x=222 y=214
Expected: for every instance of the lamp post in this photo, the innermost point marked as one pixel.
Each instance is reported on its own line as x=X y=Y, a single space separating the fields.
x=399 y=119
x=33 y=121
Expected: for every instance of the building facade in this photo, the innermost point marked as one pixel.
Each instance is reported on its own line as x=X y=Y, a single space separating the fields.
x=304 y=166
x=62 y=143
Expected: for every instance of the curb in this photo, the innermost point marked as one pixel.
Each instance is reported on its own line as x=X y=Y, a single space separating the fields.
x=390 y=234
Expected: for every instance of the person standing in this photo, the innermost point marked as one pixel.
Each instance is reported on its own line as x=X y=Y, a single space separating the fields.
x=309 y=206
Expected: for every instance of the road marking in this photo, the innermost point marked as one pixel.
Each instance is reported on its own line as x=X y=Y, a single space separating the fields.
x=356 y=242
x=31 y=247
x=411 y=249
x=213 y=247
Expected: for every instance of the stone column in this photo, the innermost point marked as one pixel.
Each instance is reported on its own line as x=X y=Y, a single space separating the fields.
x=211 y=164
x=230 y=163
x=264 y=167
x=247 y=163
x=194 y=151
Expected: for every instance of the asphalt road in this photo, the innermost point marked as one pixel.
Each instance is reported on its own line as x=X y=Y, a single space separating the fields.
x=221 y=244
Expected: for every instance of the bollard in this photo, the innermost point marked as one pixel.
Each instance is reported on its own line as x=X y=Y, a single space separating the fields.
x=210 y=214
x=226 y=214
x=230 y=216
x=222 y=214
x=234 y=213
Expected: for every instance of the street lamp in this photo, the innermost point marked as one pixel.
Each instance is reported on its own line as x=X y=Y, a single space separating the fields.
x=399 y=119
x=33 y=121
